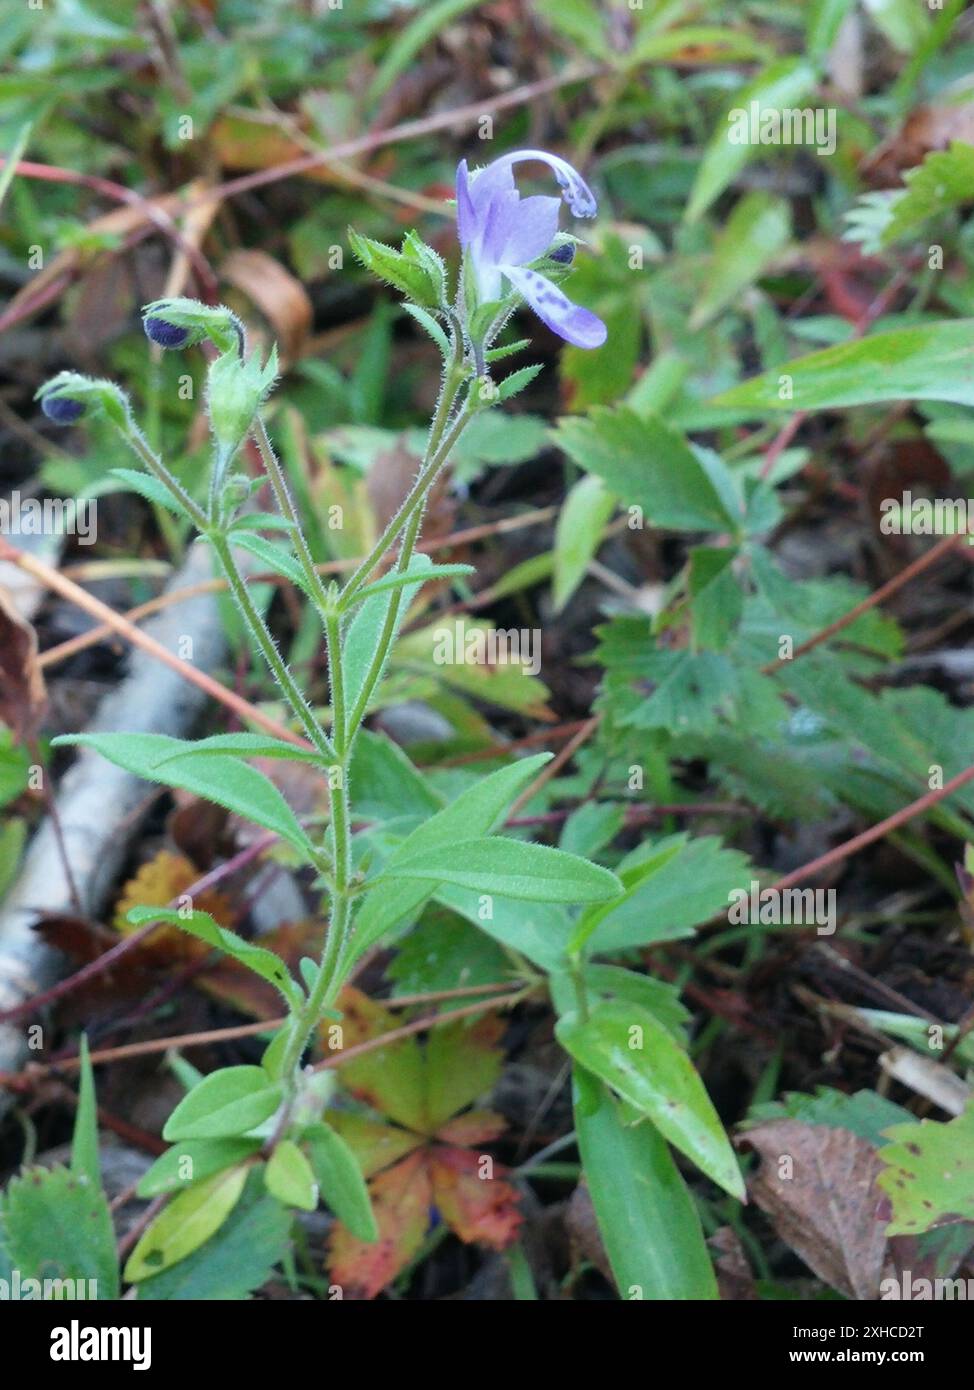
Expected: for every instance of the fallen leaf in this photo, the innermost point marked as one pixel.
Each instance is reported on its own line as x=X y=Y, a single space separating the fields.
x=817 y=1186
x=23 y=696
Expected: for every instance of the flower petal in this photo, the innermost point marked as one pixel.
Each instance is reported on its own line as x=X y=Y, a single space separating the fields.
x=570 y=321
x=575 y=190
x=533 y=229
x=466 y=220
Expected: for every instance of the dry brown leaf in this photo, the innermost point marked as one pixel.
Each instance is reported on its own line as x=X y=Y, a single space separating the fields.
x=281 y=299
x=23 y=696
x=817 y=1185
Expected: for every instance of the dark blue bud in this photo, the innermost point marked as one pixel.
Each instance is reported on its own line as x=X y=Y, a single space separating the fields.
x=62 y=409
x=164 y=334
x=564 y=254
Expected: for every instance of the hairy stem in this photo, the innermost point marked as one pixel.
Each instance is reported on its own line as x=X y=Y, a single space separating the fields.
x=268 y=647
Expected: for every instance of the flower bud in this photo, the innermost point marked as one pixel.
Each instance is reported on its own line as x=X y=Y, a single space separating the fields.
x=62 y=409
x=68 y=396
x=563 y=254
x=236 y=388
x=165 y=335
x=178 y=323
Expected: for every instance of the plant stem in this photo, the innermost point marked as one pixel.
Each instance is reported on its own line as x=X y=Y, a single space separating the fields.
x=262 y=636
x=416 y=505
x=137 y=442
x=432 y=462
x=289 y=511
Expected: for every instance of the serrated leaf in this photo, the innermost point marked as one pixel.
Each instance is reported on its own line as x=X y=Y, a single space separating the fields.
x=402 y=272
x=928 y=1173
x=227 y=1102
x=517 y=381
x=647 y=463
x=57 y=1225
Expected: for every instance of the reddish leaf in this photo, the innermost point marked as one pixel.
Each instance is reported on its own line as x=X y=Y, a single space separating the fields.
x=480 y=1209
x=475 y=1127
x=401 y=1202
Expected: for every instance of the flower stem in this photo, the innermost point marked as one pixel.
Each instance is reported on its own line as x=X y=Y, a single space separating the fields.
x=432 y=462
x=268 y=647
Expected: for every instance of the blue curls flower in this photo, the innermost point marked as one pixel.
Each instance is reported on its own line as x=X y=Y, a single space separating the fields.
x=501 y=233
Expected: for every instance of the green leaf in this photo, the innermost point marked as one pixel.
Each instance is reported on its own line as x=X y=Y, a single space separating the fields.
x=690 y=691
x=929 y=1174
x=756 y=232
x=188 y=1220
x=225 y=780
x=933 y=362
x=647 y=1218
x=384 y=783
x=511 y=869
x=340 y=1180
x=688 y=882
x=513 y=384
x=274 y=556
x=227 y=1102
x=85 y=1161
x=429 y=20
x=243 y=745
x=716 y=598
x=429 y=323
x=57 y=1225
x=201 y=925
x=405 y=274
x=191 y=1161
x=578 y=534
x=782 y=85
x=475 y=811
x=401 y=579
x=646 y=463
x=289 y=1178
x=640 y=1059
x=150 y=488
x=237 y=1259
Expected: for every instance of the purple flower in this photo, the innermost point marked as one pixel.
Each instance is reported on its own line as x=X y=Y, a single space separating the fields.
x=501 y=233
